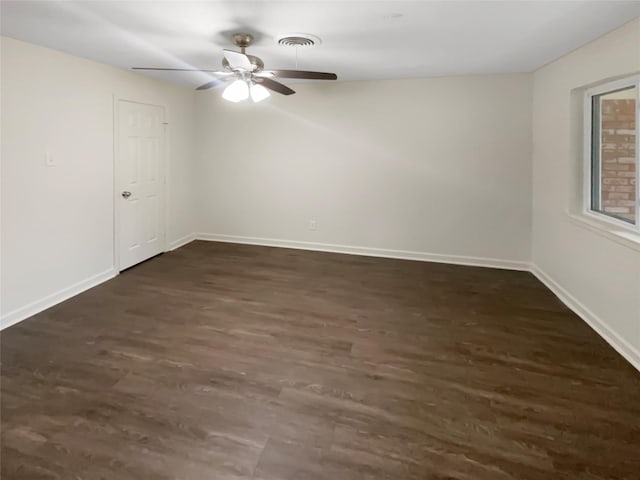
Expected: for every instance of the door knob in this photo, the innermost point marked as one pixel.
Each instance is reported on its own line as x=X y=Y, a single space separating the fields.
x=126 y=194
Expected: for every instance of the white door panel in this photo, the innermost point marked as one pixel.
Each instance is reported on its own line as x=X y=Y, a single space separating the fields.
x=140 y=193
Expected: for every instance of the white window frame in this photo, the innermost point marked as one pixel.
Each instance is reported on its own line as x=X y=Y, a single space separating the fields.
x=632 y=81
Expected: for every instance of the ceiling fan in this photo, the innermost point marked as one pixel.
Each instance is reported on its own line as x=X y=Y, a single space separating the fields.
x=247 y=71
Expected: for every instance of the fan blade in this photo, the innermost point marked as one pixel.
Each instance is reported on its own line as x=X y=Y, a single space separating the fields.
x=174 y=69
x=211 y=84
x=302 y=74
x=238 y=60
x=273 y=85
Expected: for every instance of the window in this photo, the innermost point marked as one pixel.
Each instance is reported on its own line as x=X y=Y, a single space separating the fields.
x=611 y=130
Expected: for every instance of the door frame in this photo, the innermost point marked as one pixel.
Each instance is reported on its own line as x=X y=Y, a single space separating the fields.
x=117 y=169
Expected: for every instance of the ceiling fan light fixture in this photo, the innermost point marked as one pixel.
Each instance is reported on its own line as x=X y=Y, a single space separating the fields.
x=236 y=92
x=258 y=93
x=251 y=80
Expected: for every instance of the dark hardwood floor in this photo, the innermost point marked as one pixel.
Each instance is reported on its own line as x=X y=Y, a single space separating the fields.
x=222 y=361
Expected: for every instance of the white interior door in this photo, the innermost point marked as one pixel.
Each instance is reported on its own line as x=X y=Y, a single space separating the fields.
x=140 y=182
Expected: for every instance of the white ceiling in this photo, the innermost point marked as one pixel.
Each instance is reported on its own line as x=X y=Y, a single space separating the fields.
x=360 y=39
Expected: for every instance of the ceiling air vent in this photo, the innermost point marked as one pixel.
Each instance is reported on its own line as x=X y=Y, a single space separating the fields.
x=298 y=40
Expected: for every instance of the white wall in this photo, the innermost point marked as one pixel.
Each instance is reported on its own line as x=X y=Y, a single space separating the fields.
x=57 y=222
x=597 y=275
x=437 y=166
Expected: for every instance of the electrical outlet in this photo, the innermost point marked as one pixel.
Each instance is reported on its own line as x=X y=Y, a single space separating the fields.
x=313 y=225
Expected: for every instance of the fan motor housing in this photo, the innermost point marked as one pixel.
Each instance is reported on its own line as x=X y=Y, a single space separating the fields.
x=255 y=61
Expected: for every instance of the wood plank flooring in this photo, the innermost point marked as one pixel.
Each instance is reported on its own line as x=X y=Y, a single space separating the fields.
x=229 y=362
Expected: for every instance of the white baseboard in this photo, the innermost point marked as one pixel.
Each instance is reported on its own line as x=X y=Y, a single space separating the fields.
x=181 y=241
x=623 y=347
x=369 y=252
x=616 y=341
x=38 y=306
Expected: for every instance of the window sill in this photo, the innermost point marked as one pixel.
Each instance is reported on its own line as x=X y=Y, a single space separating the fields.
x=619 y=235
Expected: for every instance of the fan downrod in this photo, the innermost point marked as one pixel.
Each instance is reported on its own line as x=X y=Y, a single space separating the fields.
x=242 y=40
